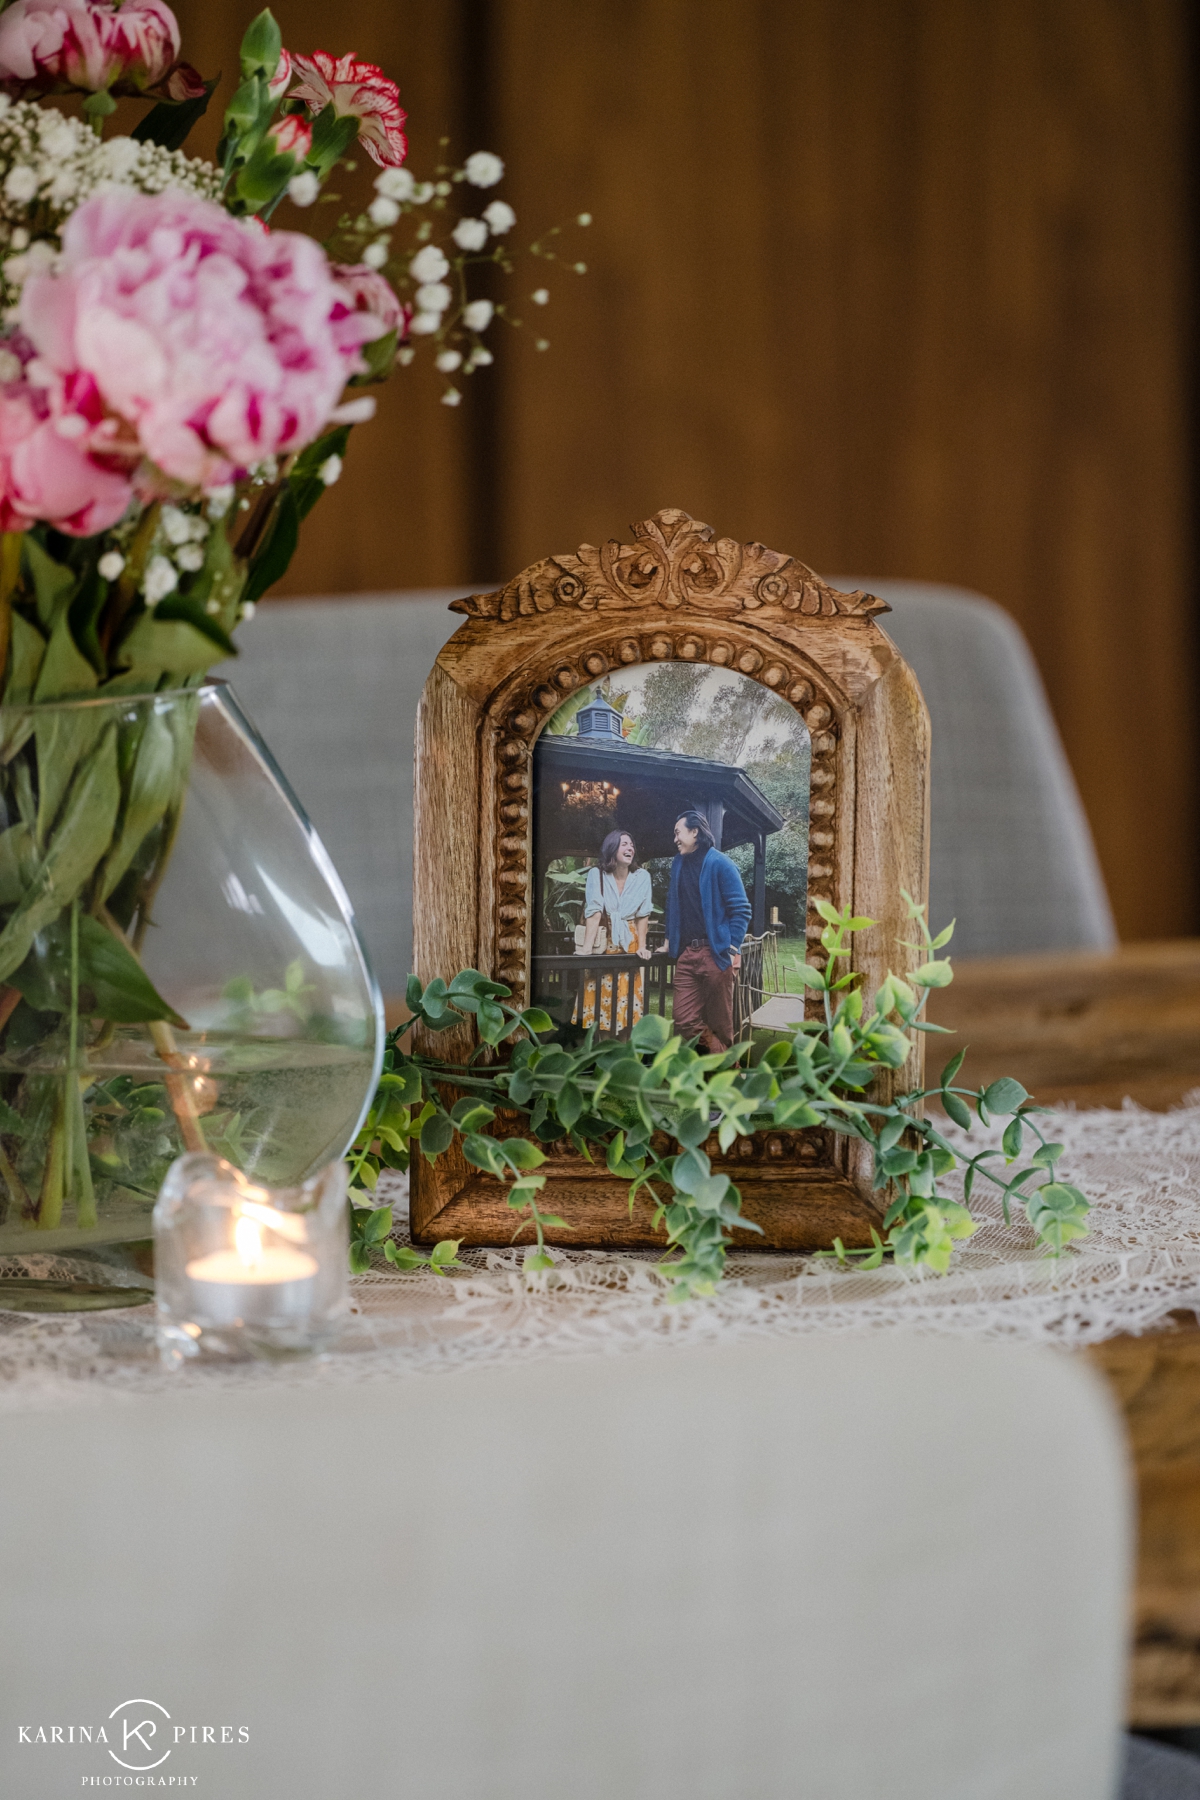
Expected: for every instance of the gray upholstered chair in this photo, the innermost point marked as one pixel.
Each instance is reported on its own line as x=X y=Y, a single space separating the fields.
x=1012 y=854
x=334 y=685
x=825 y=1569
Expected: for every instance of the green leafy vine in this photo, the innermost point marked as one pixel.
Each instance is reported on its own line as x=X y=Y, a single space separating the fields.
x=623 y=1101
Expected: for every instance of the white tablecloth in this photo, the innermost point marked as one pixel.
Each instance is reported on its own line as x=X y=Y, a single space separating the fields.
x=1140 y=1262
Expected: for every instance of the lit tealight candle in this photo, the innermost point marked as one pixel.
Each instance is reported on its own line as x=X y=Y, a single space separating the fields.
x=255 y=1283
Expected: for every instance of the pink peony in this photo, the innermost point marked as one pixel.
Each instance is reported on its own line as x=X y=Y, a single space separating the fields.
x=47 y=46
x=359 y=90
x=47 y=467
x=372 y=295
x=219 y=344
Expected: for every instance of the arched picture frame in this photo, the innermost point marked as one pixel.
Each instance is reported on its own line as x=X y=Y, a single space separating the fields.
x=676 y=593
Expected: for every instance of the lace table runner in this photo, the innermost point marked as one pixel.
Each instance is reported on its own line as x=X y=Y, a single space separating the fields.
x=1141 y=1261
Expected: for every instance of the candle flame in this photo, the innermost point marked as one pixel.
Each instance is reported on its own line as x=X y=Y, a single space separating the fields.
x=288 y=1225
x=248 y=1239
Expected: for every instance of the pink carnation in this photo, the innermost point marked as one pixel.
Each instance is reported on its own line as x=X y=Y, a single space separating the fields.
x=49 y=45
x=220 y=345
x=357 y=90
x=372 y=295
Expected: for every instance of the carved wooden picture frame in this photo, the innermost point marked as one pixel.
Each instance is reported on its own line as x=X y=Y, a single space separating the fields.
x=676 y=593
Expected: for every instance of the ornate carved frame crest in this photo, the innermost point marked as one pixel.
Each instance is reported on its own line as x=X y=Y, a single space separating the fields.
x=675 y=593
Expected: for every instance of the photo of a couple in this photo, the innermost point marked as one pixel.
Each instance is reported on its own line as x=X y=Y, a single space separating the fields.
x=670 y=844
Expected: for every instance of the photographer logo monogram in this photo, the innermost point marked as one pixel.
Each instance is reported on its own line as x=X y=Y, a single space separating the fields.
x=139 y=1735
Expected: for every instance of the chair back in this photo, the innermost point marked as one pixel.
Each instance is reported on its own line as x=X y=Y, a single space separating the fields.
x=1012 y=856
x=845 y=1568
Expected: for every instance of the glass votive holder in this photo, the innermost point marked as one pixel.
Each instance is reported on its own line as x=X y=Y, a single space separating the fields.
x=241 y=1269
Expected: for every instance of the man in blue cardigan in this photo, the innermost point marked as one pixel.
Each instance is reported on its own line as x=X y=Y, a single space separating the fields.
x=707 y=917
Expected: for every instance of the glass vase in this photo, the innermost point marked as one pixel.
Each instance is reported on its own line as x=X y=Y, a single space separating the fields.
x=180 y=971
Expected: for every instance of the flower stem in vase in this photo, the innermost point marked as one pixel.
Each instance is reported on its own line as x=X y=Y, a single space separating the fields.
x=179 y=1087
x=50 y=1200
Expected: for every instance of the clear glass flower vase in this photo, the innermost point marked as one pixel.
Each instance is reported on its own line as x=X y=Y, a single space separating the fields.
x=179 y=968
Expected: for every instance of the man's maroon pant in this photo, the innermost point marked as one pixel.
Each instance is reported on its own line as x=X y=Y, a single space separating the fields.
x=703 y=999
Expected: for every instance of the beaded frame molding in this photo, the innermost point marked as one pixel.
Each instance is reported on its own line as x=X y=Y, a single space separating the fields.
x=676 y=593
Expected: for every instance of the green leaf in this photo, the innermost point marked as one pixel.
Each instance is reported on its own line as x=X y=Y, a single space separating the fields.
x=17 y=862
x=1011 y=1141
x=952 y=1067
x=534 y=1019
x=53 y=582
x=158 y=647
x=470 y=1114
x=25 y=661
x=155 y=781
x=650 y=1034
x=113 y=985
x=1004 y=1096
x=521 y=1154
x=794 y=1114
x=305 y=479
x=933 y=975
x=943 y=937
x=170 y=122
x=76 y=846
x=809 y=976
x=188 y=610
x=437 y=1134
x=829 y=913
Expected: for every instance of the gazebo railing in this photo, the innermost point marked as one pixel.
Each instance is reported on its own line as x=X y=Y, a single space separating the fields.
x=560 y=984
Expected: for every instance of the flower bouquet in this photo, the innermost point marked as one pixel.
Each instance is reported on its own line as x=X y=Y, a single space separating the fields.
x=177 y=383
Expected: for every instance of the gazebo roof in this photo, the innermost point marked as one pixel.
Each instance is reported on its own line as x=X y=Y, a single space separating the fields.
x=649 y=789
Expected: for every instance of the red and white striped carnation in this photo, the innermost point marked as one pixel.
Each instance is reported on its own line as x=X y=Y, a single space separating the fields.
x=359 y=90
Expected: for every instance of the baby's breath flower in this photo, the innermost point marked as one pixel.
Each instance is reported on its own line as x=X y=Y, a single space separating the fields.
x=424 y=324
x=303 y=188
x=405 y=354
x=470 y=234
x=190 y=557
x=451 y=397
x=481 y=356
x=500 y=217
x=395 y=184
x=111 y=564
x=159 y=580
x=433 y=296
x=375 y=255
x=448 y=361
x=330 y=469
x=483 y=169
x=21 y=183
x=429 y=264
x=176 y=526
x=422 y=192
x=540 y=296
x=584 y=219
x=383 y=212
x=478 y=315
x=220 y=499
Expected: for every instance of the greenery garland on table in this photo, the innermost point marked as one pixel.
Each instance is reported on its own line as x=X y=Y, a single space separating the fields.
x=610 y=1097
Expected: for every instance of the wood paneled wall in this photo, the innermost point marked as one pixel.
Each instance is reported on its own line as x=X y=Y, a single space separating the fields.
x=898 y=285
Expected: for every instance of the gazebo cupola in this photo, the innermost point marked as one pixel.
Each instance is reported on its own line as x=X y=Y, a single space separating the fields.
x=599 y=723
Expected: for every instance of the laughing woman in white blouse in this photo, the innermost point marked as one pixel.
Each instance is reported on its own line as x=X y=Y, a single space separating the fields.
x=618 y=895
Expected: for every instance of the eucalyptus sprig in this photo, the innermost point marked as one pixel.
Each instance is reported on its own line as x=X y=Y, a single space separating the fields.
x=657 y=1110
